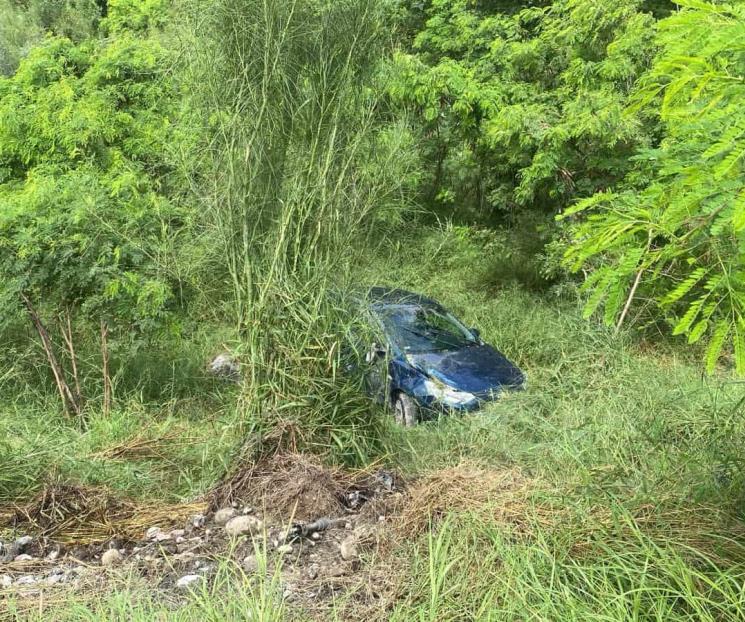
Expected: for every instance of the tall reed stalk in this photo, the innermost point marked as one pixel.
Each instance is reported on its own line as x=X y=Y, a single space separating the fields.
x=287 y=89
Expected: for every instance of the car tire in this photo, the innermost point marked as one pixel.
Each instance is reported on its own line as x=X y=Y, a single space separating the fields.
x=405 y=410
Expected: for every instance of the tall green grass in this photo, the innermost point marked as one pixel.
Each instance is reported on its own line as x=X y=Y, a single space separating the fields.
x=299 y=167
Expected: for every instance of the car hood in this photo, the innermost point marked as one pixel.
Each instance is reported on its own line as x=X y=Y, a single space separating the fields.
x=478 y=369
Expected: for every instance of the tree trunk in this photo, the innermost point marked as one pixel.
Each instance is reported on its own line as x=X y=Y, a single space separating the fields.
x=66 y=330
x=68 y=399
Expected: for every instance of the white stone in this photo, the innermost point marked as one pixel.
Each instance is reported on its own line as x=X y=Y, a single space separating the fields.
x=240 y=525
x=23 y=558
x=348 y=549
x=188 y=581
x=26 y=580
x=223 y=515
x=152 y=532
x=250 y=565
x=178 y=533
x=112 y=557
x=284 y=549
x=24 y=541
x=5 y=580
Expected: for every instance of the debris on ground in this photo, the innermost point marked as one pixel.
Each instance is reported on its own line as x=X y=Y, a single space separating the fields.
x=327 y=531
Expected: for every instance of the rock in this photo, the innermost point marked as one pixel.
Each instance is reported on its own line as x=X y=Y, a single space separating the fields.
x=240 y=525
x=337 y=570
x=225 y=366
x=53 y=555
x=26 y=580
x=198 y=520
x=111 y=558
x=348 y=525
x=23 y=542
x=180 y=540
x=315 y=535
x=247 y=510
x=5 y=580
x=284 y=549
x=348 y=549
x=151 y=533
x=189 y=581
x=162 y=537
x=54 y=579
x=313 y=571
x=223 y=515
x=250 y=565
x=178 y=533
x=24 y=557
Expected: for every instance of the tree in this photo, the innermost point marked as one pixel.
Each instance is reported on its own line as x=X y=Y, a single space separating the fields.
x=673 y=231
x=90 y=199
x=523 y=107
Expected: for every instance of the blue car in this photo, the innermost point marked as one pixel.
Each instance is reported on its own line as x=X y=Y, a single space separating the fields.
x=428 y=361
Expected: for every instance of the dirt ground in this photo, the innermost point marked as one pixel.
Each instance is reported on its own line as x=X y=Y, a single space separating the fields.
x=329 y=533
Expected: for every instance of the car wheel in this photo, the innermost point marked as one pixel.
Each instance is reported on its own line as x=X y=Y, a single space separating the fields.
x=405 y=410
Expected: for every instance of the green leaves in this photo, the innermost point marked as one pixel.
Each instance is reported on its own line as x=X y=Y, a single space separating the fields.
x=525 y=107
x=694 y=205
x=89 y=196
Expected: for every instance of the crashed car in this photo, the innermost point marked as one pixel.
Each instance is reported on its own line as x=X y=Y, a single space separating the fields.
x=426 y=361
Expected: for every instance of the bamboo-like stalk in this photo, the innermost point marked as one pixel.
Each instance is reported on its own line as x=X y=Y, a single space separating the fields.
x=68 y=399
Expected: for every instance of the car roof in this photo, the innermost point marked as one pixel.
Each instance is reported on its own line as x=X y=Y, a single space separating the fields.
x=384 y=296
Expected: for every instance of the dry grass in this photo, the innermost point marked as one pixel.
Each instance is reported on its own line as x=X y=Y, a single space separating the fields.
x=290 y=485
x=84 y=515
x=499 y=495
x=142 y=446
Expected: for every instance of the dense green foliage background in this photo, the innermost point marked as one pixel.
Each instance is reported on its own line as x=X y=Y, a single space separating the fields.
x=150 y=164
x=180 y=178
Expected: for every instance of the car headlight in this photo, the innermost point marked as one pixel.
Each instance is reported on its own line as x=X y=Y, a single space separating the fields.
x=446 y=394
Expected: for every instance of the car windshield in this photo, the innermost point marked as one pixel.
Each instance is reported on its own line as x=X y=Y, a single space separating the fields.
x=420 y=329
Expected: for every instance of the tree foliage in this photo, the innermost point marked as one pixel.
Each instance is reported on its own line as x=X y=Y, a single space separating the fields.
x=673 y=231
x=524 y=107
x=90 y=199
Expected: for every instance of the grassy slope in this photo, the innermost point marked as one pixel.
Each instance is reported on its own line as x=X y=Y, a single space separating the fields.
x=625 y=442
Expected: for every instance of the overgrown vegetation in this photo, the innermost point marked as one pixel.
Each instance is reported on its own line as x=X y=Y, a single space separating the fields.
x=187 y=177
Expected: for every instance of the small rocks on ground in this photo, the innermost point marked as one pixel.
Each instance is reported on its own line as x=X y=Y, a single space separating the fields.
x=198 y=520
x=24 y=557
x=189 y=581
x=110 y=558
x=23 y=542
x=250 y=565
x=178 y=533
x=348 y=549
x=151 y=533
x=5 y=581
x=225 y=366
x=26 y=580
x=284 y=549
x=240 y=525
x=223 y=515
